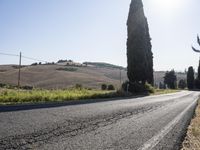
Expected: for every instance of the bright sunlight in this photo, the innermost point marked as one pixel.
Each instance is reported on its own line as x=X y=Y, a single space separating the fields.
x=168 y=6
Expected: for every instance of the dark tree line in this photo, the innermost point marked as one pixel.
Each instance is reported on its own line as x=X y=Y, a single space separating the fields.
x=190 y=78
x=139 y=54
x=170 y=79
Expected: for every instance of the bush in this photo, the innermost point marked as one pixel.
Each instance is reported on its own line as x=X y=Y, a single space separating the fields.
x=67 y=69
x=103 y=87
x=79 y=86
x=139 y=87
x=125 y=86
x=182 y=84
x=27 y=87
x=34 y=64
x=149 y=88
x=2 y=85
x=111 y=87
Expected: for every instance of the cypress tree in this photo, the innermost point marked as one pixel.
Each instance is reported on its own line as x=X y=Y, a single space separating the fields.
x=198 y=76
x=190 y=78
x=139 y=54
x=197 y=80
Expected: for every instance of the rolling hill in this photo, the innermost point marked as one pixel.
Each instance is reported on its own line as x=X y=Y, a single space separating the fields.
x=62 y=75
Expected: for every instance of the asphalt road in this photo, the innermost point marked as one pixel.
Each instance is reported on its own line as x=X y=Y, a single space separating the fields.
x=153 y=122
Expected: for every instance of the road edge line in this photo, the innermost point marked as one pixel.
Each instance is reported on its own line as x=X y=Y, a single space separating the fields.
x=151 y=143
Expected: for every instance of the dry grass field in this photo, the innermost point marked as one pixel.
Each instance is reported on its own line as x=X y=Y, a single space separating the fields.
x=61 y=76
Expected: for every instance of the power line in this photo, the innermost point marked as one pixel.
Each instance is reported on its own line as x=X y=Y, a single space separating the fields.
x=30 y=58
x=26 y=57
x=34 y=59
x=6 y=54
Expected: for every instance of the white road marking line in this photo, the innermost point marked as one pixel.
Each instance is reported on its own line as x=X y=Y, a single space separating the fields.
x=151 y=143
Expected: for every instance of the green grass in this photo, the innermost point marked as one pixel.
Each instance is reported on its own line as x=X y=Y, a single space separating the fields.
x=164 y=91
x=14 y=96
x=34 y=96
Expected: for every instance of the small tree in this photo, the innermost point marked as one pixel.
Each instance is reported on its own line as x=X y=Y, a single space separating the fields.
x=160 y=85
x=125 y=85
x=182 y=84
x=170 y=79
x=103 y=87
x=34 y=64
x=111 y=87
x=190 y=78
x=79 y=86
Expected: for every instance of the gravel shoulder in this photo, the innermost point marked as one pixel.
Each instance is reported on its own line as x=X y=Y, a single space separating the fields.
x=192 y=139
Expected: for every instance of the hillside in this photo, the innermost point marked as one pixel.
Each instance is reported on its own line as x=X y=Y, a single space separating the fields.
x=103 y=65
x=56 y=76
x=61 y=76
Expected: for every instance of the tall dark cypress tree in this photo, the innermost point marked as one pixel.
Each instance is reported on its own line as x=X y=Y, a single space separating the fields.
x=190 y=78
x=198 y=76
x=139 y=54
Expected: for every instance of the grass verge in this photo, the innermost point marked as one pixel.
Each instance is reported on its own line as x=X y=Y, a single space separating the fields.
x=164 y=91
x=13 y=96
x=192 y=140
x=8 y=96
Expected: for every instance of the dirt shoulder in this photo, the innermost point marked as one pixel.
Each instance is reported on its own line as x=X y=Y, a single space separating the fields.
x=192 y=140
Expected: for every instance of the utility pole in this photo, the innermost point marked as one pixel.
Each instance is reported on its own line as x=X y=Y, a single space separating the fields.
x=120 y=77
x=19 y=73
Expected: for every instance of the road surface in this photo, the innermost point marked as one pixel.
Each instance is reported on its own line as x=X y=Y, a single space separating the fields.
x=145 y=123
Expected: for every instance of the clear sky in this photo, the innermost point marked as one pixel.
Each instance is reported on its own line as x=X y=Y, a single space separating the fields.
x=95 y=30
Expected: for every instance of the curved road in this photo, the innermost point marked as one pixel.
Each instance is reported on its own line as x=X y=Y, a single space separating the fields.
x=153 y=122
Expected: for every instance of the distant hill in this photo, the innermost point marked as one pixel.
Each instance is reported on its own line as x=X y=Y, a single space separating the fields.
x=61 y=75
x=64 y=75
x=103 y=65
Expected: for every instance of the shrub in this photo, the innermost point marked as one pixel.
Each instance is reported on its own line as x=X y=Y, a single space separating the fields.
x=149 y=88
x=34 y=64
x=182 y=84
x=111 y=87
x=79 y=86
x=27 y=87
x=2 y=85
x=103 y=87
x=125 y=86
x=67 y=69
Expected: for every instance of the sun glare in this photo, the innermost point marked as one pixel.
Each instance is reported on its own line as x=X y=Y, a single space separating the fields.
x=168 y=5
